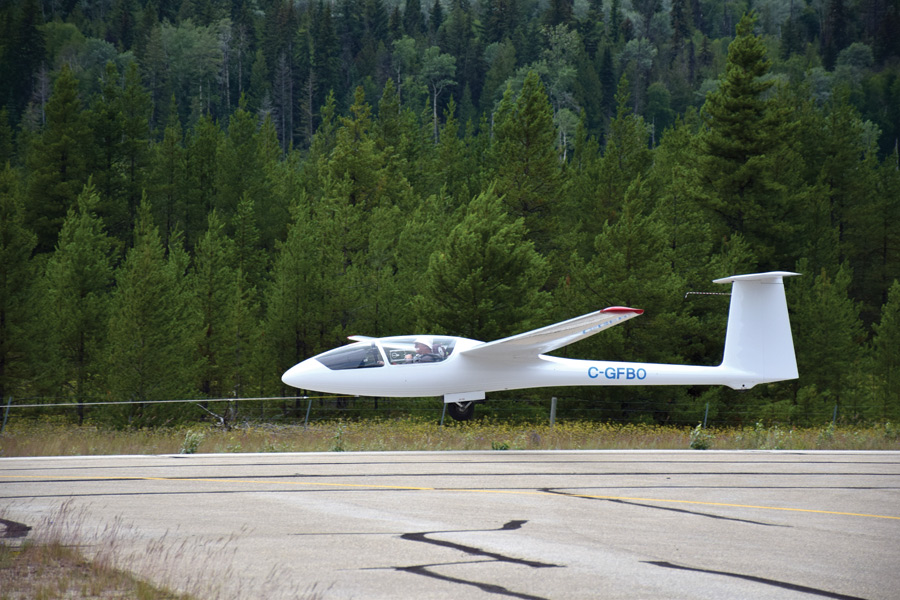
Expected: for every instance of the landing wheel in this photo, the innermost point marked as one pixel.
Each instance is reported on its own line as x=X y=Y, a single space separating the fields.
x=461 y=411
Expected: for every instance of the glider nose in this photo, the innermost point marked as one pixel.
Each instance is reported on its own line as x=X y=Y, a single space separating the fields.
x=303 y=374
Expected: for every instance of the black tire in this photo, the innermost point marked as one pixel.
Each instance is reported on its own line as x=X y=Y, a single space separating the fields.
x=461 y=411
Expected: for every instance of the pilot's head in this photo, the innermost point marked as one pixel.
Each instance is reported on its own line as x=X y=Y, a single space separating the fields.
x=423 y=345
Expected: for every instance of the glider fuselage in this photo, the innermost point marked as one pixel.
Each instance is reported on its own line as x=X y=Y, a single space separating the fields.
x=467 y=378
x=758 y=349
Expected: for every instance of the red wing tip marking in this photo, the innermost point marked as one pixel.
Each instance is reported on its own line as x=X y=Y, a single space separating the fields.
x=623 y=309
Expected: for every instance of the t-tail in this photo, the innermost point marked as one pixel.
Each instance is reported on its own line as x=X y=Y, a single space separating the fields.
x=759 y=347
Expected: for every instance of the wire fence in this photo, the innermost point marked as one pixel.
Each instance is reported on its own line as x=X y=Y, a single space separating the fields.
x=318 y=408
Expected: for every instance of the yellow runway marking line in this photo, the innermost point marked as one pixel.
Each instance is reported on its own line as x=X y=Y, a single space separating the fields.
x=465 y=490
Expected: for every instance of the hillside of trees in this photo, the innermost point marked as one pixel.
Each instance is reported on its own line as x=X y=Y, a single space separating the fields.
x=197 y=194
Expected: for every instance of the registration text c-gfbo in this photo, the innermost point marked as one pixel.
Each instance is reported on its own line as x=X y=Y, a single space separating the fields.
x=617 y=373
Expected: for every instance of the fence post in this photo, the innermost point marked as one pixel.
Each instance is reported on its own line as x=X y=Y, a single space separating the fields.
x=552 y=411
x=705 y=415
x=6 y=413
x=306 y=421
x=834 y=416
x=443 y=412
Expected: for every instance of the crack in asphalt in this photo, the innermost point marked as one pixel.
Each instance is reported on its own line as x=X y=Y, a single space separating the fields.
x=756 y=579
x=666 y=508
x=490 y=588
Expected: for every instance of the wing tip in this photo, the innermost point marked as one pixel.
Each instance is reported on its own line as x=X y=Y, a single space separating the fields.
x=623 y=309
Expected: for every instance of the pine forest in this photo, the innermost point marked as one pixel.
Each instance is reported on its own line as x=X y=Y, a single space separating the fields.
x=197 y=194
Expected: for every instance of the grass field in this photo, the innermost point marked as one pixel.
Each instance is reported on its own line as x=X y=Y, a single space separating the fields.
x=28 y=438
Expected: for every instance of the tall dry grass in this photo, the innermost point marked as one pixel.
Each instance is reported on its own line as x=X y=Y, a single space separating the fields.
x=62 y=557
x=53 y=439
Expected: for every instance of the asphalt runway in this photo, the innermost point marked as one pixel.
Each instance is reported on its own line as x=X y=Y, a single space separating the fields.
x=502 y=524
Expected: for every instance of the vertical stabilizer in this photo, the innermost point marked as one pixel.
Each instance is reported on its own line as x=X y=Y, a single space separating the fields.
x=759 y=347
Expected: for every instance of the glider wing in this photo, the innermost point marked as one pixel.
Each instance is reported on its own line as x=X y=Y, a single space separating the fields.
x=547 y=339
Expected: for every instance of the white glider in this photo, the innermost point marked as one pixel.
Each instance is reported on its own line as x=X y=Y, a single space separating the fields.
x=759 y=348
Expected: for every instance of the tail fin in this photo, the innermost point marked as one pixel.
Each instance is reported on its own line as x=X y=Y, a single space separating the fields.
x=758 y=340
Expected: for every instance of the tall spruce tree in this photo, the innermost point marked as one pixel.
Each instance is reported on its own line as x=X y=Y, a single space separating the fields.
x=306 y=299
x=202 y=144
x=631 y=265
x=79 y=277
x=105 y=162
x=625 y=157
x=485 y=281
x=136 y=107
x=525 y=164
x=887 y=358
x=17 y=280
x=238 y=161
x=249 y=263
x=153 y=330
x=215 y=284
x=57 y=161
x=828 y=338
x=168 y=188
x=745 y=159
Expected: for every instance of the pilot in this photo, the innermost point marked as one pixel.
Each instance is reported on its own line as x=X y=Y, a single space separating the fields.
x=423 y=350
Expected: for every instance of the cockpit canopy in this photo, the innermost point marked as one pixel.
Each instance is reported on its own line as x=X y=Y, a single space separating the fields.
x=405 y=350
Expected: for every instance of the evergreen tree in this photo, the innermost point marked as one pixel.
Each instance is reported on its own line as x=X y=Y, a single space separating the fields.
x=238 y=164
x=524 y=159
x=607 y=74
x=687 y=230
x=106 y=126
x=560 y=12
x=79 y=277
x=459 y=171
x=681 y=23
x=887 y=357
x=57 y=161
x=631 y=265
x=457 y=37
x=500 y=18
x=835 y=36
x=17 y=279
x=249 y=264
x=7 y=141
x=485 y=280
x=249 y=257
x=435 y=20
x=168 y=179
x=326 y=58
x=873 y=238
x=24 y=52
x=278 y=181
x=153 y=330
x=306 y=300
x=615 y=21
x=202 y=171
x=745 y=160
x=215 y=284
x=413 y=19
x=625 y=157
x=828 y=338
x=135 y=107
x=121 y=24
